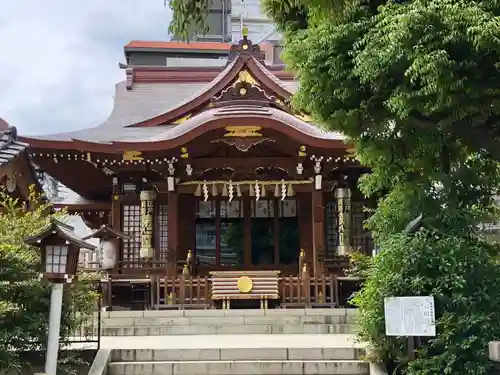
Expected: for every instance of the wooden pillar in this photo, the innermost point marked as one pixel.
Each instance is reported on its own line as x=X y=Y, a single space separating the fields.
x=116 y=223
x=318 y=214
x=217 y=203
x=247 y=225
x=304 y=214
x=173 y=232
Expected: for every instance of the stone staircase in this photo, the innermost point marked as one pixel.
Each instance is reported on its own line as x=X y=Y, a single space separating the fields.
x=233 y=342
x=206 y=322
x=248 y=361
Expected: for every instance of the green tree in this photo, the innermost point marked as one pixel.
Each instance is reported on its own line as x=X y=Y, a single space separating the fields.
x=24 y=298
x=414 y=85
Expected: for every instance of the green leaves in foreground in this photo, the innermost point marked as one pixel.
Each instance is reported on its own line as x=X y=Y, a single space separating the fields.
x=24 y=299
x=462 y=275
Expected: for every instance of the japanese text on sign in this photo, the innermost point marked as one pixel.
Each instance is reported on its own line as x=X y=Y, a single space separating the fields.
x=409 y=316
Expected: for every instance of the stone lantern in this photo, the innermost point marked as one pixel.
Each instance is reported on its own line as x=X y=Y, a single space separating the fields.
x=108 y=240
x=59 y=251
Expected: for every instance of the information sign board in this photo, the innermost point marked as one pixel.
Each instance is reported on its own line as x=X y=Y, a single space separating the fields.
x=409 y=316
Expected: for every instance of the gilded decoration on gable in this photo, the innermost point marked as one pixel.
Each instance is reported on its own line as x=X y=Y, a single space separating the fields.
x=304 y=117
x=245 y=46
x=243 y=131
x=245 y=76
x=302 y=151
x=182 y=119
x=243 y=144
x=245 y=91
x=131 y=155
x=184 y=153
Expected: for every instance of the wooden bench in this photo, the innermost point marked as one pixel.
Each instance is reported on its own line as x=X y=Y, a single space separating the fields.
x=245 y=285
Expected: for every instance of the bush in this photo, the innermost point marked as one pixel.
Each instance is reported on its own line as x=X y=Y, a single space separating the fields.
x=462 y=274
x=24 y=299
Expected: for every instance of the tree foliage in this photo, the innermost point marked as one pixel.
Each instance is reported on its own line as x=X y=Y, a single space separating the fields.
x=24 y=298
x=415 y=86
x=459 y=273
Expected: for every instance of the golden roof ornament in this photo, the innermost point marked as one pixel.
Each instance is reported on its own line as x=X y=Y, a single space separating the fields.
x=245 y=46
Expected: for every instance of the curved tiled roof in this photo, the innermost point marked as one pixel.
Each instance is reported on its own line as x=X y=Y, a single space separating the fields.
x=144 y=101
x=147 y=110
x=10 y=147
x=242 y=111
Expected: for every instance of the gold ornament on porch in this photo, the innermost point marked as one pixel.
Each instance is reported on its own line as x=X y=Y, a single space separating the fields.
x=245 y=284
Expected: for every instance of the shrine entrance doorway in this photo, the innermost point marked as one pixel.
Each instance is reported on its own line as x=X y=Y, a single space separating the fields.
x=247 y=234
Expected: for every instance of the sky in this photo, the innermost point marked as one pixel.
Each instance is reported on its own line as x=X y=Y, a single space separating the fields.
x=59 y=58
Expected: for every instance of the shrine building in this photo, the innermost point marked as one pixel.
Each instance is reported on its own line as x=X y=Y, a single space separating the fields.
x=207 y=171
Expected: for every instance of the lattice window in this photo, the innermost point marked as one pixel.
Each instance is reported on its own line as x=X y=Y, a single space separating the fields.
x=263 y=208
x=288 y=208
x=331 y=229
x=56 y=259
x=360 y=238
x=162 y=230
x=131 y=225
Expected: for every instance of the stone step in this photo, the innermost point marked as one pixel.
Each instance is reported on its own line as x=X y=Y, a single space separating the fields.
x=159 y=330
x=200 y=322
x=243 y=367
x=216 y=313
x=237 y=354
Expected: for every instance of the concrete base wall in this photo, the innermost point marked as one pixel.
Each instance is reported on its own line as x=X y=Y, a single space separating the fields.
x=241 y=368
x=226 y=354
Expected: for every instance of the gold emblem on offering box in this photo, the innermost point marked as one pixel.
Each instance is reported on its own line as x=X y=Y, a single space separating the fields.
x=245 y=284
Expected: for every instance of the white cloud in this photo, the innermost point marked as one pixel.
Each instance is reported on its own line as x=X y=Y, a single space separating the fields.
x=59 y=58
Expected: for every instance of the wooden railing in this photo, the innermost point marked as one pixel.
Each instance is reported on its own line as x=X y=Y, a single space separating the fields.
x=186 y=292
x=182 y=292
x=309 y=292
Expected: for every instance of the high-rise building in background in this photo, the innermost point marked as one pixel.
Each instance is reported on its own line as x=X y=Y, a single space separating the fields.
x=249 y=13
x=226 y=18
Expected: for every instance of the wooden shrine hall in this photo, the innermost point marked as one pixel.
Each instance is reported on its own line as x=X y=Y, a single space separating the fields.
x=212 y=188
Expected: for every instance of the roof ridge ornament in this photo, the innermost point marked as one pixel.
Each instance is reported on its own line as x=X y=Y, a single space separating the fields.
x=245 y=47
